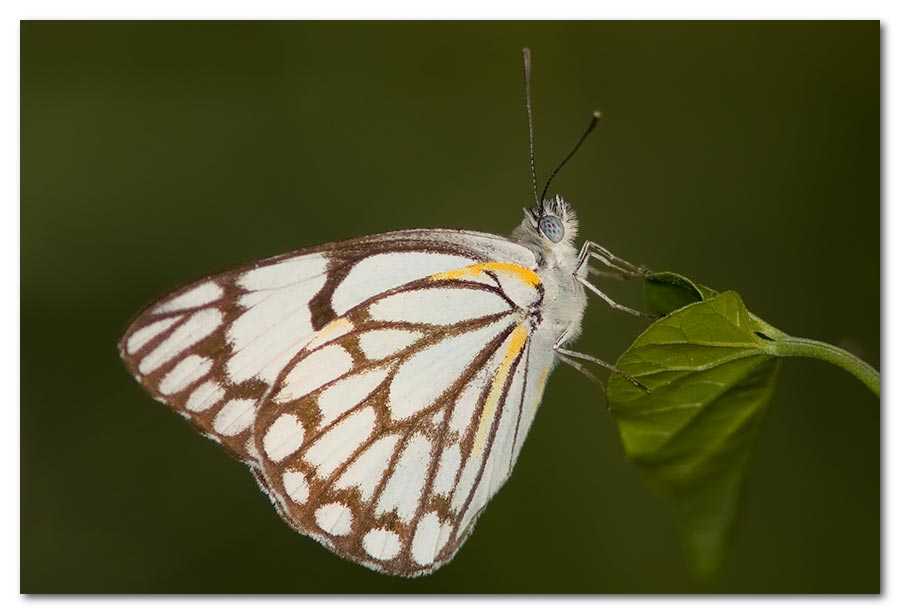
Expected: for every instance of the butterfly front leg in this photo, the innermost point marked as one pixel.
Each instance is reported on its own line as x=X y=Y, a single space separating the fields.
x=584 y=282
x=620 y=268
x=567 y=356
x=625 y=269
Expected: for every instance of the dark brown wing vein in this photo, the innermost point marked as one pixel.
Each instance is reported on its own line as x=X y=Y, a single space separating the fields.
x=512 y=456
x=462 y=532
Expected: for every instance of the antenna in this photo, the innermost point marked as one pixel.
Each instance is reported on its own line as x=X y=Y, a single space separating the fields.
x=526 y=59
x=594 y=119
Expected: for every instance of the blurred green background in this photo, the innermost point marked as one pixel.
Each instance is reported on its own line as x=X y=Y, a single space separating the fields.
x=745 y=155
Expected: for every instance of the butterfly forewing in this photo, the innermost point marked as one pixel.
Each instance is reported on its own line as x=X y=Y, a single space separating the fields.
x=380 y=388
x=212 y=349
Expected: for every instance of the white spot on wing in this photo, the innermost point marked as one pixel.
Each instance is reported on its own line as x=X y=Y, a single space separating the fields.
x=284 y=437
x=468 y=402
x=334 y=518
x=348 y=392
x=235 y=417
x=438 y=306
x=367 y=469
x=502 y=448
x=381 y=343
x=317 y=369
x=284 y=273
x=337 y=445
x=296 y=486
x=185 y=373
x=539 y=366
x=466 y=481
x=381 y=544
x=440 y=365
x=381 y=272
x=196 y=328
x=266 y=336
x=428 y=539
x=481 y=496
x=143 y=336
x=195 y=297
x=403 y=490
x=446 y=474
x=204 y=396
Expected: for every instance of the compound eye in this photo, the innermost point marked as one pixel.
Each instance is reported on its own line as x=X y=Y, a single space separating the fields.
x=552 y=228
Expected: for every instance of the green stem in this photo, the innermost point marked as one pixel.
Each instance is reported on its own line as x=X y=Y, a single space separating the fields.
x=810 y=348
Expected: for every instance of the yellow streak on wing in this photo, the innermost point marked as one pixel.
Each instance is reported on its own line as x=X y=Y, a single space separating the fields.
x=524 y=274
x=542 y=382
x=517 y=340
x=332 y=330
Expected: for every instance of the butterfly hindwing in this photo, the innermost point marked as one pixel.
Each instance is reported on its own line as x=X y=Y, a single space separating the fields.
x=376 y=440
x=379 y=388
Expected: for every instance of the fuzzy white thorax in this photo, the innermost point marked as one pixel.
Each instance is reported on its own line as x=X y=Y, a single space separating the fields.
x=557 y=263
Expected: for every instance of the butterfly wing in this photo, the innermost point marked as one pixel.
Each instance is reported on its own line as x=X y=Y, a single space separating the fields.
x=380 y=388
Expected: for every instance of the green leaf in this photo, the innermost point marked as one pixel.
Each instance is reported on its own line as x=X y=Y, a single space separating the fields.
x=665 y=292
x=710 y=377
x=711 y=367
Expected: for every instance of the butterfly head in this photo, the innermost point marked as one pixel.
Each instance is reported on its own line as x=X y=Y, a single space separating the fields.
x=553 y=222
x=552 y=227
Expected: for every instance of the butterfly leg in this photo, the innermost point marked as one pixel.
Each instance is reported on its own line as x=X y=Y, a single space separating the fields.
x=594 y=250
x=611 y=302
x=608 y=274
x=567 y=356
x=583 y=370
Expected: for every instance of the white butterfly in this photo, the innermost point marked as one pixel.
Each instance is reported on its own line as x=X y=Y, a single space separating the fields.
x=380 y=389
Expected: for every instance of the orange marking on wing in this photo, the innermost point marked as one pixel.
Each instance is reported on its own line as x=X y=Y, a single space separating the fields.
x=517 y=340
x=525 y=274
x=330 y=331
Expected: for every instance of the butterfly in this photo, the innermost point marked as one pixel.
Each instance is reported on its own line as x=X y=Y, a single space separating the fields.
x=379 y=389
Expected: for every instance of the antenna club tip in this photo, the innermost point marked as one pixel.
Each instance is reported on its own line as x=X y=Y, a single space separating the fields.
x=597 y=114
